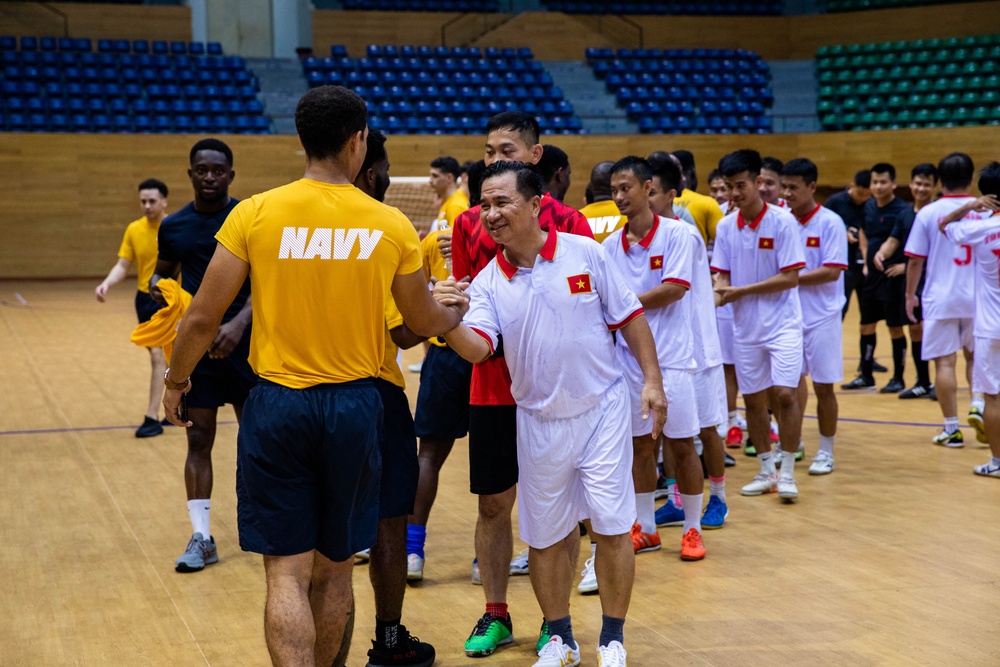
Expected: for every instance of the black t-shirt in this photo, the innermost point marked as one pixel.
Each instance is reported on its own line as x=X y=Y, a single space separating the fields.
x=854 y=217
x=188 y=237
x=894 y=219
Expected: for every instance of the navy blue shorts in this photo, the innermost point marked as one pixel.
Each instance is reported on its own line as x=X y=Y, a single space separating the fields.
x=443 y=398
x=145 y=306
x=215 y=382
x=308 y=469
x=400 y=470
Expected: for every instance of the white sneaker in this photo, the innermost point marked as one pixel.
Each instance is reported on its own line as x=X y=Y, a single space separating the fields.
x=363 y=556
x=723 y=429
x=476 y=579
x=612 y=655
x=415 y=368
x=945 y=439
x=520 y=563
x=588 y=584
x=741 y=422
x=414 y=567
x=760 y=485
x=557 y=654
x=776 y=455
x=822 y=464
x=787 y=489
x=986 y=470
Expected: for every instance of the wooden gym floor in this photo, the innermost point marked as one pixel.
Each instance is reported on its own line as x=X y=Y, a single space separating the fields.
x=891 y=560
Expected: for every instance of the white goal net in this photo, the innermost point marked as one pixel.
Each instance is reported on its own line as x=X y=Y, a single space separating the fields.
x=414 y=197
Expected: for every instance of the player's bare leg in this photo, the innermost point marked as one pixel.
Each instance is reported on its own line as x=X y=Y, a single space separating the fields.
x=159 y=365
x=615 y=567
x=759 y=426
x=387 y=568
x=991 y=415
x=551 y=576
x=946 y=387
x=431 y=457
x=644 y=535
x=495 y=542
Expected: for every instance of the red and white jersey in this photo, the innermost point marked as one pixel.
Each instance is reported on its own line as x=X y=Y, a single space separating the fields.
x=824 y=238
x=725 y=206
x=707 y=349
x=983 y=236
x=948 y=291
x=663 y=255
x=555 y=320
x=751 y=252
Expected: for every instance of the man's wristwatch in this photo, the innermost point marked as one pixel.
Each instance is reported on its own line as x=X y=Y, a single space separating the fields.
x=176 y=386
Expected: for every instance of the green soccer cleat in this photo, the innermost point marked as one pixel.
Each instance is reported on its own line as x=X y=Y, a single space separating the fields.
x=489 y=633
x=543 y=637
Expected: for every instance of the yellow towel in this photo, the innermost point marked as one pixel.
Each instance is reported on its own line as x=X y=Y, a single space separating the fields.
x=161 y=330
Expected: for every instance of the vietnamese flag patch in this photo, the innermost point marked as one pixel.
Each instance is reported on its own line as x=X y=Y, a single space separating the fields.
x=765 y=244
x=579 y=284
x=656 y=262
x=812 y=242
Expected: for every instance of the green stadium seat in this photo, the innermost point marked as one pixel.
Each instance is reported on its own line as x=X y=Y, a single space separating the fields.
x=888 y=59
x=941 y=115
x=884 y=47
x=950 y=99
x=961 y=54
x=840 y=62
x=951 y=69
x=983 y=40
x=859 y=128
x=849 y=104
x=864 y=88
x=900 y=46
x=993 y=82
x=826 y=77
x=837 y=50
x=960 y=114
x=914 y=126
x=915 y=100
x=824 y=106
x=979 y=53
x=822 y=52
x=824 y=64
x=922 y=115
x=950 y=43
x=980 y=114
x=897 y=72
x=869 y=49
x=883 y=117
x=880 y=74
x=944 y=55
x=934 y=44
x=844 y=90
x=932 y=100
x=989 y=97
x=856 y=61
x=933 y=69
x=853 y=49
x=914 y=71
x=885 y=87
x=895 y=102
x=922 y=86
x=904 y=87
x=830 y=121
x=849 y=120
x=826 y=92
x=995 y=113
x=916 y=45
x=967 y=42
x=905 y=116
x=969 y=97
x=874 y=102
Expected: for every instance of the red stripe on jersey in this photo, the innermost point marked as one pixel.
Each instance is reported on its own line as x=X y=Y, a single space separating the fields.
x=835 y=265
x=636 y=313
x=793 y=267
x=677 y=281
x=715 y=269
x=913 y=254
x=486 y=337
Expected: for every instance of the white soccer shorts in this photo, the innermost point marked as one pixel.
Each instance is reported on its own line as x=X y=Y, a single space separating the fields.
x=986 y=370
x=572 y=469
x=710 y=393
x=775 y=363
x=944 y=337
x=726 y=327
x=682 y=412
x=823 y=351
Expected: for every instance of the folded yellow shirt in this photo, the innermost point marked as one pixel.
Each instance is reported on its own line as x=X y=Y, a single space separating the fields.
x=161 y=330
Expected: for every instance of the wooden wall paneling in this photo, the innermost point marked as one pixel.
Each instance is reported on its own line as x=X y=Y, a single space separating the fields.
x=96 y=21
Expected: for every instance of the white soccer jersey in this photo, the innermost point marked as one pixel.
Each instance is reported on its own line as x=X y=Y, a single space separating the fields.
x=751 y=252
x=707 y=349
x=948 y=291
x=662 y=256
x=824 y=238
x=725 y=206
x=983 y=236
x=555 y=320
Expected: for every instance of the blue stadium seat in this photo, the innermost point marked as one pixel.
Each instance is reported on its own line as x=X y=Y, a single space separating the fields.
x=196 y=48
x=215 y=49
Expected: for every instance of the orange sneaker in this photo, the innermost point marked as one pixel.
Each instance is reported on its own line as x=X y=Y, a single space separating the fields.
x=644 y=541
x=734 y=437
x=692 y=546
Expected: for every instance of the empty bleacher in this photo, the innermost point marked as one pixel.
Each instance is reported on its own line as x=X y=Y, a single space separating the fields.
x=682 y=91
x=741 y=8
x=916 y=84
x=63 y=85
x=479 y=6
x=442 y=90
x=857 y=5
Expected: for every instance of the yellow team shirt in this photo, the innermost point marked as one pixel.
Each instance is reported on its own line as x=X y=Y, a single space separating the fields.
x=703 y=209
x=322 y=258
x=434 y=267
x=139 y=247
x=452 y=207
x=390 y=370
x=604 y=218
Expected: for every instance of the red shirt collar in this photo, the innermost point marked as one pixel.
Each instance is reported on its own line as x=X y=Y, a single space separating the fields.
x=548 y=253
x=804 y=220
x=965 y=196
x=647 y=239
x=740 y=223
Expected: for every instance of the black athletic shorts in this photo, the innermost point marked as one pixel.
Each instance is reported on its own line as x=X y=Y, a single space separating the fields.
x=492 y=448
x=400 y=470
x=215 y=382
x=443 y=397
x=308 y=469
x=145 y=306
x=884 y=298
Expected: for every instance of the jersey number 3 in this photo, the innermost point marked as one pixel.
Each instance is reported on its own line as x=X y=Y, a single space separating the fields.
x=967 y=251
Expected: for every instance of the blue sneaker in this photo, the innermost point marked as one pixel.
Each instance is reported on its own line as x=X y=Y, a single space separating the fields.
x=715 y=513
x=669 y=515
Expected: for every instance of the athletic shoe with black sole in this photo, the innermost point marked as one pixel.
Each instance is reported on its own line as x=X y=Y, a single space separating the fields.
x=408 y=652
x=916 y=391
x=150 y=428
x=860 y=382
x=894 y=387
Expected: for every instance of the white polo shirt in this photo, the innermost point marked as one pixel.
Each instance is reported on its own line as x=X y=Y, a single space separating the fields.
x=824 y=238
x=751 y=252
x=555 y=319
x=707 y=349
x=948 y=291
x=663 y=255
x=983 y=236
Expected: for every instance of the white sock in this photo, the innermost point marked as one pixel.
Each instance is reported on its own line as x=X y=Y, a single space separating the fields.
x=593 y=549
x=774 y=427
x=717 y=488
x=672 y=494
x=646 y=511
x=995 y=460
x=198 y=511
x=979 y=403
x=699 y=447
x=692 y=511
x=766 y=463
x=826 y=443
x=734 y=418
x=788 y=466
x=950 y=424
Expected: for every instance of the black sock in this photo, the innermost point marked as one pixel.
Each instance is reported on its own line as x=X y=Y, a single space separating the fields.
x=898 y=357
x=868 y=355
x=387 y=633
x=564 y=629
x=923 y=371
